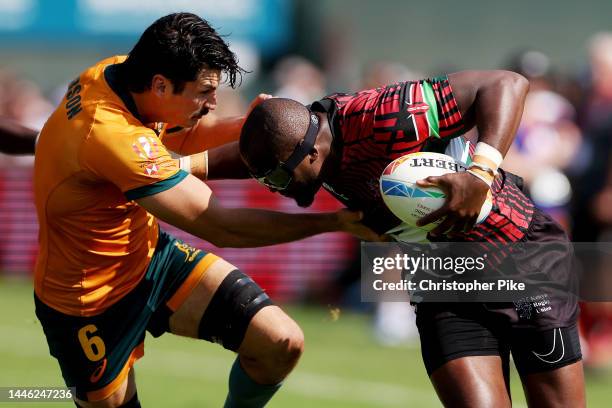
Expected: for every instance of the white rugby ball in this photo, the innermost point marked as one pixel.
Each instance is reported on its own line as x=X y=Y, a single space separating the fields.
x=407 y=200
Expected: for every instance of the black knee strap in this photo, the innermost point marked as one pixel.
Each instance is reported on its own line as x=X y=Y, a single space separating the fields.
x=231 y=309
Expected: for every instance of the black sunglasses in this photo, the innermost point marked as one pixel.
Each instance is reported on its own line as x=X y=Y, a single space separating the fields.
x=280 y=177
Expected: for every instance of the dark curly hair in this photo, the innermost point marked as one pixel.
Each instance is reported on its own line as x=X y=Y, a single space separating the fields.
x=178 y=46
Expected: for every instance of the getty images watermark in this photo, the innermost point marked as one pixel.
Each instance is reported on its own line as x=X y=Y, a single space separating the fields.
x=17 y=394
x=521 y=273
x=411 y=264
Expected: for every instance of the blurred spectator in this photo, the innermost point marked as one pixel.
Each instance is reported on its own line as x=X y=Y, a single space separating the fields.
x=594 y=184
x=22 y=101
x=299 y=79
x=598 y=106
x=385 y=73
x=547 y=141
x=535 y=66
x=593 y=202
x=230 y=102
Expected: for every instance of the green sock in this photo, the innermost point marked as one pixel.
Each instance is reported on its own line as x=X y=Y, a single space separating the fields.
x=246 y=393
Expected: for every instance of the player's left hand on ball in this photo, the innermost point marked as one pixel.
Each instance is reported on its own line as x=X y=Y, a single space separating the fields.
x=465 y=195
x=350 y=221
x=257 y=100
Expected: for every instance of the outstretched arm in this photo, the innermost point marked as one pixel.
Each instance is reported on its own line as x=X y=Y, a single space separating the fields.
x=209 y=132
x=224 y=162
x=191 y=207
x=211 y=147
x=15 y=138
x=219 y=163
x=493 y=102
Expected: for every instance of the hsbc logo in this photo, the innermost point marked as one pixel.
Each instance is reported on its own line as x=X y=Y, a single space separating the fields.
x=146 y=147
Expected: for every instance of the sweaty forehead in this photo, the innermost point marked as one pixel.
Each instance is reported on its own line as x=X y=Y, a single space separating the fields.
x=208 y=78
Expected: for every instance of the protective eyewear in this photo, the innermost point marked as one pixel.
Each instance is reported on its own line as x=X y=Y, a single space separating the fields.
x=280 y=177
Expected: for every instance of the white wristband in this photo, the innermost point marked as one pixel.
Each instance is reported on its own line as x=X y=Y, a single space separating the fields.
x=206 y=164
x=488 y=151
x=185 y=163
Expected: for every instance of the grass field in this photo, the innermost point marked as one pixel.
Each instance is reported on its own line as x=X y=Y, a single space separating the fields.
x=342 y=367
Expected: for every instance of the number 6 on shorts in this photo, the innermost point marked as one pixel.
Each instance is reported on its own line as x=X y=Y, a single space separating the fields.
x=93 y=346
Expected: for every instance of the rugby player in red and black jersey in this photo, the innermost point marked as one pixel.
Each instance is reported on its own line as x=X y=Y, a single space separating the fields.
x=343 y=142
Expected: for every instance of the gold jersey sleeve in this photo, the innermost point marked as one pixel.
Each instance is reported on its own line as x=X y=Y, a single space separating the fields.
x=131 y=157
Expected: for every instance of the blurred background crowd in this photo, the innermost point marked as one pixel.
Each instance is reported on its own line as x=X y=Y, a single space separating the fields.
x=304 y=50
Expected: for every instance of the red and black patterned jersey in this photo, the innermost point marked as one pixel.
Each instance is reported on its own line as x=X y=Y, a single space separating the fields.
x=373 y=127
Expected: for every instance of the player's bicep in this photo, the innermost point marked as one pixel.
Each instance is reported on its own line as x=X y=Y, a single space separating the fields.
x=180 y=205
x=190 y=206
x=465 y=88
x=469 y=86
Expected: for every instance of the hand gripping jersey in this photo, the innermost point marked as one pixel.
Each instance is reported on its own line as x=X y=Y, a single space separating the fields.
x=94 y=157
x=374 y=127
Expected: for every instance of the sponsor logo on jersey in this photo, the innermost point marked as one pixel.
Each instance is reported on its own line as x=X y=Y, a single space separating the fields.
x=146 y=147
x=189 y=251
x=98 y=372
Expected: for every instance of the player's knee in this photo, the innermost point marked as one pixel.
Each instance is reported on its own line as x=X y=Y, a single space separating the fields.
x=295 y=342
x=284 y=344
x=276 y=353
x=287 y=344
